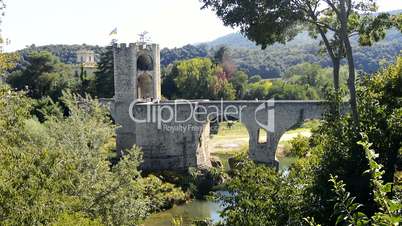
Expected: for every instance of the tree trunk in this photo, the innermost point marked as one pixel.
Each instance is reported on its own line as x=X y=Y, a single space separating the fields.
x=336 y=62
x=330 y=50
x=335 y=59
x=352 y=83
x=336 y=68
x=351 y=65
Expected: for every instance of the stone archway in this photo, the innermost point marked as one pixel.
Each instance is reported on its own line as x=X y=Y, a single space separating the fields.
x=145 y=63
x=144 y=86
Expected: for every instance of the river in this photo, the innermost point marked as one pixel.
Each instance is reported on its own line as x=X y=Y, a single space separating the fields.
x=196 y=209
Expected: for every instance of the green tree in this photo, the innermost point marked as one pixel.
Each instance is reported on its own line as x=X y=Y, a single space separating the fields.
x=42 y=74
x=258 y=196
x=347 y=210
x=60 y=168
x=8 y=61
x=239 y=82
x=200 y=78
x=287 y=91
x=169 y=87
x=279 y=22
x=258 y=90
x=254 y=79
x=314 y=77
x=104 y=76
x=221 y=55
x=267 y=22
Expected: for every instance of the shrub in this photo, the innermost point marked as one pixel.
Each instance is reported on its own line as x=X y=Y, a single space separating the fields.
x=299 y=146
x=60 y=167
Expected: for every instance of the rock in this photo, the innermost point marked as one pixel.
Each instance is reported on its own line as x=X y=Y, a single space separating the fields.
x=233 y=161
x=216 y=163
x=206 y=222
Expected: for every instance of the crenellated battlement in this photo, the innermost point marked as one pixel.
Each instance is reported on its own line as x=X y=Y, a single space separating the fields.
x=136 y=45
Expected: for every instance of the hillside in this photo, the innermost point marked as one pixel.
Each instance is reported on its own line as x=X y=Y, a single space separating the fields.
x=274 y=60
x=237 y=40
x=66 y=53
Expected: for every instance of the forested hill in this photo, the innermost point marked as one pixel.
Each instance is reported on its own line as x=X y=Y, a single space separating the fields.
x=274 y=60
x=236 y=40
x=66 y=53
x=268 y=63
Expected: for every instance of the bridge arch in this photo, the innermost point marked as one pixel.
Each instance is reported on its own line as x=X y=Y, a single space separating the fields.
x=228 y=138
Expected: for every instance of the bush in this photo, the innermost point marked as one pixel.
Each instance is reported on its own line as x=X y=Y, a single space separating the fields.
x=259 y=196
x=60 y=167
x=162 y=195
x=299 y=146
x=74 y=219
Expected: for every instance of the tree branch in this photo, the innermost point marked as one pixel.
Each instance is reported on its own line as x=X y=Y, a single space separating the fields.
x=326 y=43
x=332 y=5
x=349 y=5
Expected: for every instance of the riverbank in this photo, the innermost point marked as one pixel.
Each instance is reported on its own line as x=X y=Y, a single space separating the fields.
x=229 y=142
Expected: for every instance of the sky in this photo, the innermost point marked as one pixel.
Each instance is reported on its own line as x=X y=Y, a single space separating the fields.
x=170 y=23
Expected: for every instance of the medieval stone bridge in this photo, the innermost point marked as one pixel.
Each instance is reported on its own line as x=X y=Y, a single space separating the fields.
x=175 y=134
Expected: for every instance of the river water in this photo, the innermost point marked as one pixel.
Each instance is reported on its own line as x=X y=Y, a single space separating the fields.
x=196 y=209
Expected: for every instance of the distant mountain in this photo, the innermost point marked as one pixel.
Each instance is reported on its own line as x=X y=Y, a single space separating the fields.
x=237 y=40
x=234 y=40
x=394 y=12
x=275 y=59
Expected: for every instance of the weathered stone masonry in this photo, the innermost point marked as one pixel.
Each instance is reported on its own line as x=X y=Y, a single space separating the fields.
x=137 y=78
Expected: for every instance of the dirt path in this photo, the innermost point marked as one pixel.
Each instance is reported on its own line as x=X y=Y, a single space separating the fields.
x=236 y=138
x=229 y=143
x=291 y=136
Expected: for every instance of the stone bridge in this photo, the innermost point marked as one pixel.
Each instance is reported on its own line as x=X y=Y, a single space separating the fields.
x=175 y=134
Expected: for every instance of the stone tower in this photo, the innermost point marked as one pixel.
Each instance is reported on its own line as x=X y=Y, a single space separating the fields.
x=136 y=78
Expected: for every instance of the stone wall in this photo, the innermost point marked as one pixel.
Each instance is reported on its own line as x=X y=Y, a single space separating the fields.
x=167 y=148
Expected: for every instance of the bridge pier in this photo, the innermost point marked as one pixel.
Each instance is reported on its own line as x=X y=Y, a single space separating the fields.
x=184 y=142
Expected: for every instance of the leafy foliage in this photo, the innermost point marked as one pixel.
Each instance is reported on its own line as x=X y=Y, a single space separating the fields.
x=42 y=74
x=187 y=52
x=300 y=146
x=104 y=79
x=345 y=207
x=197 y=78
x=162 y=195
x=57 y=172
x=258 y=196
x=7 y=62
x=347 y=210
x=66 y=53
x=390 y=209
x=360 y=198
